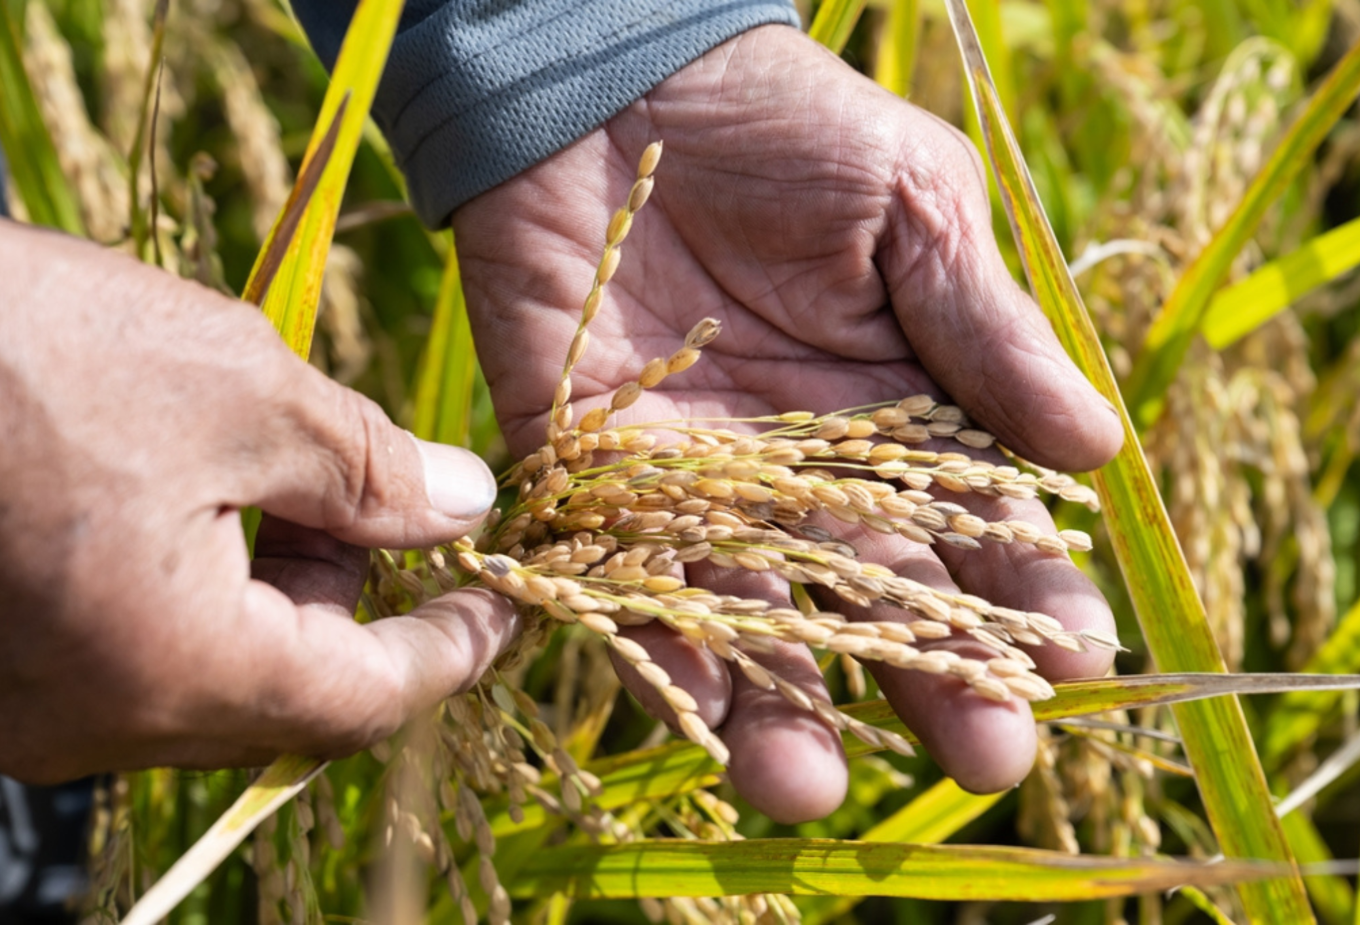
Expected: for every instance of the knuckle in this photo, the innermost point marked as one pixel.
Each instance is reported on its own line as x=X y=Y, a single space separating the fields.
x=356 y=485
x=379 y=710
x=947 y=210
x=954 y=153
x=360 y=718
x=951 y=178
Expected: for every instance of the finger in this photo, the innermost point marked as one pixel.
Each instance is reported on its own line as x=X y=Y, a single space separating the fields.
x=786 y=762
x=985 y=746
x=308 y=683
x=311 y=567
x=326 y=457
x=978 y=335
x=695 y=670
x=330 y=687
x=1023 y=577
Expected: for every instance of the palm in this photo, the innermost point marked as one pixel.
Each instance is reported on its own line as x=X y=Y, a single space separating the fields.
x=681 y=263
x=842 y=238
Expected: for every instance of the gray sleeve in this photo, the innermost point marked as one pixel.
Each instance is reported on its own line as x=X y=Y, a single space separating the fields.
x=476 y=91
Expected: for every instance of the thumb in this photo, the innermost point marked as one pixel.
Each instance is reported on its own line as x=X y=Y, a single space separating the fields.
x=975 y=331
x=329 y=458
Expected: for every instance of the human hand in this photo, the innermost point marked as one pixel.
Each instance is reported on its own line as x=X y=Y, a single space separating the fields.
x=138 y=415
x=843 y=238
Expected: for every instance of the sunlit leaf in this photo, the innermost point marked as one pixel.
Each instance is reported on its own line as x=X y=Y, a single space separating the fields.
x=279 y=244
x=987 y=25
x=443 y=403
x=929 y=819
x=896 y=61
x=834 y=22
x=291 y=295
x=675 y=867
x=1241 y=308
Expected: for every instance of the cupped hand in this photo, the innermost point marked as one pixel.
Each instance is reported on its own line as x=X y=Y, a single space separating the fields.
x=843 y=238
x=138 y=415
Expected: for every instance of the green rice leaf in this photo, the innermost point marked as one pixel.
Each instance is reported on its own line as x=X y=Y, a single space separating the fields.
x=1203 y=903
x=639 y=776
x=809 y=866
x=33 y=165
x=896 y=62
x=927 y=820
x=1239 y=309
x=443 y=403
x=279 y=244
x=1331 y=894
x=834 y=22
x=280 y=782
x=987 y=25
x=1181 y=317
x=290 y=291
x=1215 y=735
x=934 y=815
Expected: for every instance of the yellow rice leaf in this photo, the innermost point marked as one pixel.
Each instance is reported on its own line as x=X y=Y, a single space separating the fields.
x=280 y=782
x=1217 y=741
x=896 y=61
x=810 y=866
x=1241 y=308
x=934 y=815
x=290 y=291
x=443 y=403
x=1200 y=900
x=834 y=22
x=986 y=18
x=929 y=819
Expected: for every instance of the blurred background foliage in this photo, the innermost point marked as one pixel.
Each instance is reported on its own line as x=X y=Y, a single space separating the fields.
x=1143 y=122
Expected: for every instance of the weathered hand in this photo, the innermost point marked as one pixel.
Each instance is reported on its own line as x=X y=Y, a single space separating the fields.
x=843 y=238
x=138 y=415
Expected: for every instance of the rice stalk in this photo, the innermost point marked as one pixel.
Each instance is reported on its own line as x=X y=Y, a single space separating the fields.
x=92 y=165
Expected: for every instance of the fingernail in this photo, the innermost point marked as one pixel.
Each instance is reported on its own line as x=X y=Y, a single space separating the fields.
x=457 y=482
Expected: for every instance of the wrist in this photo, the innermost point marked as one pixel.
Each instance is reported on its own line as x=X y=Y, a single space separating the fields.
x=469 y=100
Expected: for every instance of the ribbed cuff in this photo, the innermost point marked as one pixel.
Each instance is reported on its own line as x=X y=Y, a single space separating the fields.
x=476 y=92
